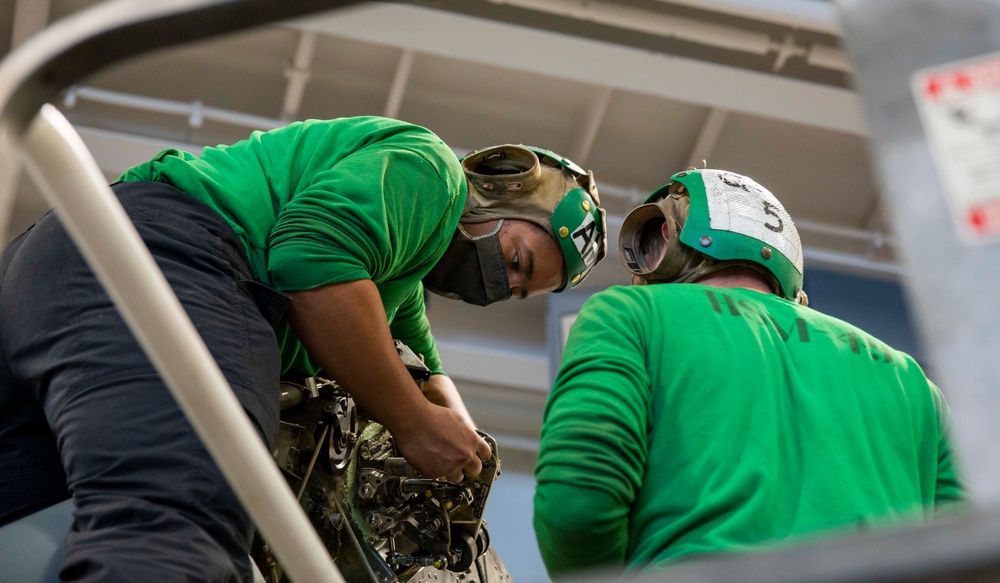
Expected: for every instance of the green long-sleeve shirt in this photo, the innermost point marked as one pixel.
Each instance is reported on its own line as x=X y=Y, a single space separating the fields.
x=330 y=201
x=690 y=419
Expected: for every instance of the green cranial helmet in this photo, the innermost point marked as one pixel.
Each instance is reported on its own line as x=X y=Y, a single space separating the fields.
x=540 y=186
x=720 y=219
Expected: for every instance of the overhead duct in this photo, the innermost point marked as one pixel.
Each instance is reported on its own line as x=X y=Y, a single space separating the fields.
x=681 y=28
x=815 y=15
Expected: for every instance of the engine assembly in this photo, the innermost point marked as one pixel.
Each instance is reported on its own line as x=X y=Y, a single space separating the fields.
x=381 y=521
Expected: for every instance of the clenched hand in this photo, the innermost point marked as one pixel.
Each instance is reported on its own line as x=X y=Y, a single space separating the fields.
x=438 y=442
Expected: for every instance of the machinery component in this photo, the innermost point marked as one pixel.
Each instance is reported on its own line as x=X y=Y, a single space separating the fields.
x=414 y=363
x=415 y=521
x=380 y=520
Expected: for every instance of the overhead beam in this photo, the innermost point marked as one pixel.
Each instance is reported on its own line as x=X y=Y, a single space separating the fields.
x=656 y=23
x=595 y=115
x=399 y=82
x=298 y=74
x=584 y=60
x=708 y=137
x=816 y=15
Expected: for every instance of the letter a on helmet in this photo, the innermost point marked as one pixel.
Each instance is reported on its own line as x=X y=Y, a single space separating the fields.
x=540 y=186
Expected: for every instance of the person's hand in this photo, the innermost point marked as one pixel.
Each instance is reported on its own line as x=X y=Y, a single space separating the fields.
x=439 y=443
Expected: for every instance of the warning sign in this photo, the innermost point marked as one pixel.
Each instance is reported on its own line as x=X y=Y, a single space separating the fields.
x=959 y=107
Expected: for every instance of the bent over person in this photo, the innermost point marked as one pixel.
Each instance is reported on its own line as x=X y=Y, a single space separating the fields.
x=338 y=222
x=708 y=409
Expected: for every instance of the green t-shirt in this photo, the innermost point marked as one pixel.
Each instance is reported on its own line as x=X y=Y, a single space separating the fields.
x=329 y=201
x=691 y=419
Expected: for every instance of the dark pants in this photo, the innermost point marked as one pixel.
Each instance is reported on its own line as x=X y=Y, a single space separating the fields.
x=83 y=413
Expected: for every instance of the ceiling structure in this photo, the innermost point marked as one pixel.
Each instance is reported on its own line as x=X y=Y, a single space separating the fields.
x=634 y=90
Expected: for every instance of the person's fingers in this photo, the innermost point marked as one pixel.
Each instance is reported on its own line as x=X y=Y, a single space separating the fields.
x=443 y=448
x=483 y=450
x=473 y=468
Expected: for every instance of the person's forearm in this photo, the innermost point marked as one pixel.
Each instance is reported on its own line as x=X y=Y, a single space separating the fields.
x=344 y=328
x=441 y=390
x=579 y=528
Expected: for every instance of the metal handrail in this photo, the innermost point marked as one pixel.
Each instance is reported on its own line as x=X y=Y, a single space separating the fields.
x=70 y=179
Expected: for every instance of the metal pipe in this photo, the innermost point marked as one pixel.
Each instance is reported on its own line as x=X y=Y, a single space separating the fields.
x=874 y=238
x=298 y=74
x=866 y=265
x=708 y=137
x=399 y=82
x=828 y=57
x=595 y=115
x=190 y=109
x=787 y=49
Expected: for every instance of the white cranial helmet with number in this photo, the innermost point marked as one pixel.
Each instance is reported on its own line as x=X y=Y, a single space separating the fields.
x=716 y=219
